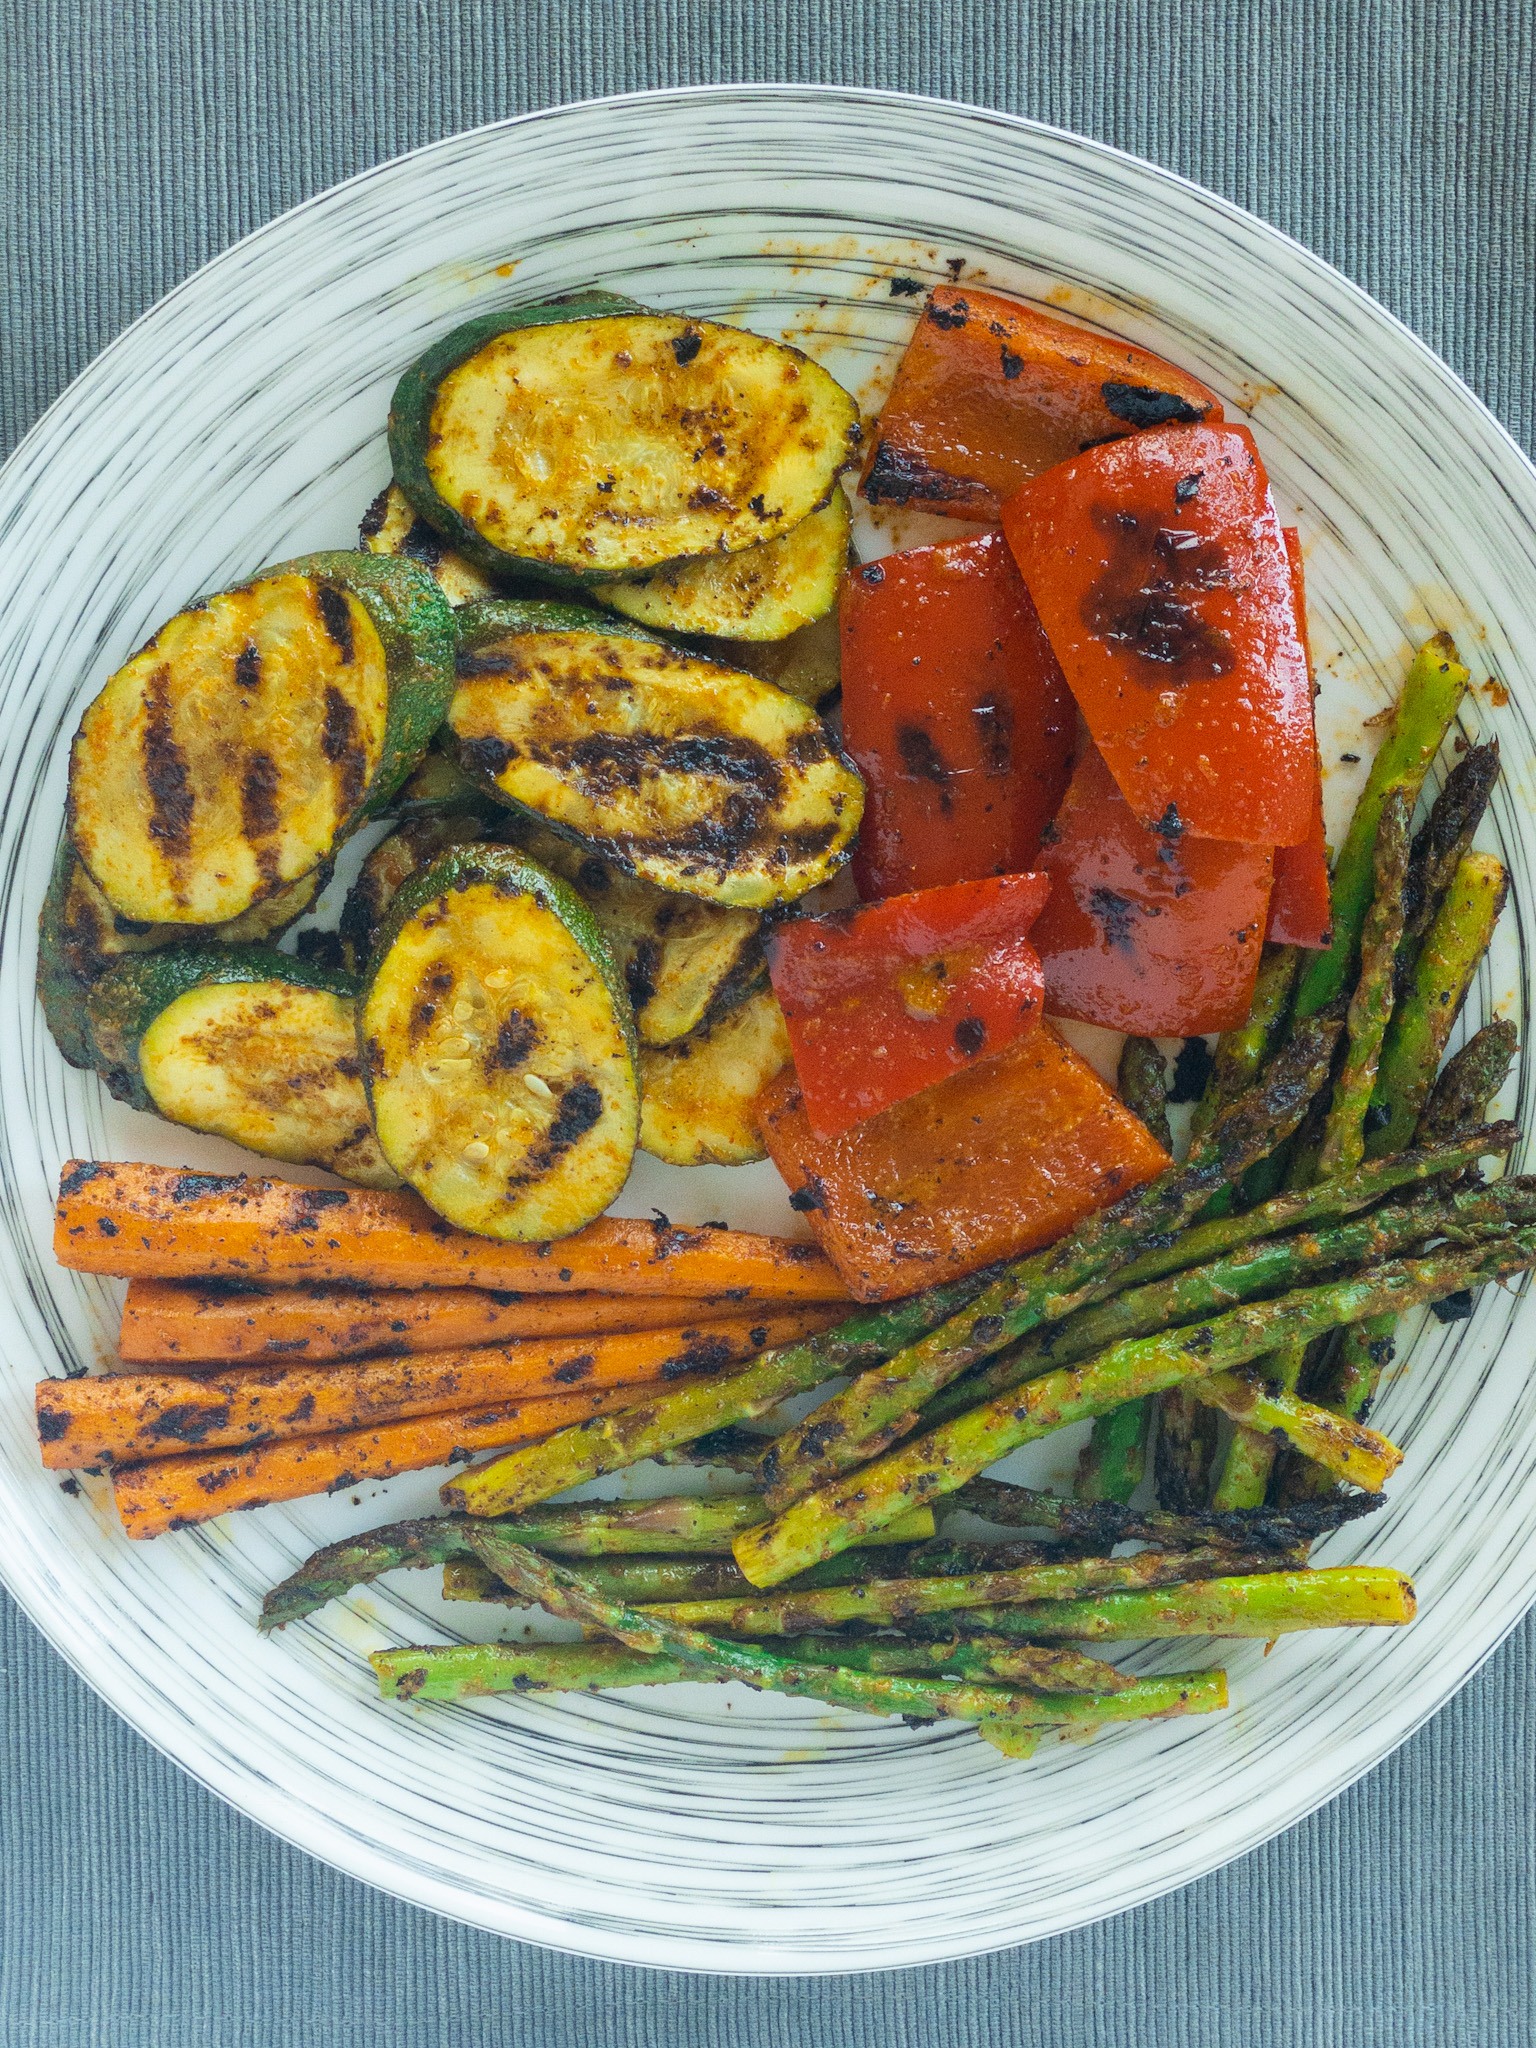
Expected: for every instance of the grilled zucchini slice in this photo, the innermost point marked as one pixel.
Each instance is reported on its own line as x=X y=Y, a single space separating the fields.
x=698 y=1098
x=760 y=594
x=80 y=935
x=232 y=754
x=498 y=1048
x=247 y=1044
x=412 y=846
x=392 y=526
x=581 y=449
x=698 y=778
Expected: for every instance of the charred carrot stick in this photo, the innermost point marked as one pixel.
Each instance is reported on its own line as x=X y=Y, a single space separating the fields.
x=185 y=1323
x=125 y=1417
x=175 y=1493
x=155 y=1222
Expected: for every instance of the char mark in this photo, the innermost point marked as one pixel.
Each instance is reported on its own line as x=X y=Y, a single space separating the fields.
x=259 y=784
x=341 y=746
x=171 y=801
x=336 y=617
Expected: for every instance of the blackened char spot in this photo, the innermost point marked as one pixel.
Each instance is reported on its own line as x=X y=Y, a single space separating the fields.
x=896 y=477
x=1453 y=1308
x=906 y=287
x=171 y=802
x=686 y=346
x=921 y=759
x=1141 y=406
x=1376 y=1118
x=1188 y=487
x=1012 y=364
x=341 y=746
x=970 y=1036
x=580 y=1107
x=52 y=1425
x=516 y=1037
x=375 y=516
x=336 y=617
x=1170 y=825
x=953 y=315
x=705 y=498
x=574 y=1369
x=1117 y=914
x=1142 y=599
x=704 y=1354
x=259 y=785
x=422 y=544
x=812 y=1196
x=188 y=1422
x=487 y=755
x=872 y=572
x=248 y=666
x=640 y=972
x=188 y=1187
x=74 y=1178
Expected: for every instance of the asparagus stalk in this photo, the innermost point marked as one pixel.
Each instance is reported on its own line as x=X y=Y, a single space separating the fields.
x=1460 y=1098
x=1106 y=1523
x=1250 y=1456
x=1421 y=1024
x=1423 y=716
x=827 y=1521
x=460 y=1671
x=1440 y=843
x=570 y=1598
x=1273 y=1604
x=1370 y=1006
x=1186 y=1445
x=677 y=1524
x=1241 y=1052
x=1268 y=1266
x=522 y=1478
x=882 y=1404
x=1112 y=1462
x=1143 y=1081
x=1336 y=1442
x=891 y=1603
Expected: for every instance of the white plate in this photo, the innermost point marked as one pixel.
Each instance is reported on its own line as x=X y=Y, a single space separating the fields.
x=241 y=420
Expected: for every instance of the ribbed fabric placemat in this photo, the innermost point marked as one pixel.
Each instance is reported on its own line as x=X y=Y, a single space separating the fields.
x=137 y=139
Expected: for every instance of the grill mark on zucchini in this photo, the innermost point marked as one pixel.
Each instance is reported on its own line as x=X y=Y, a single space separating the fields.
x=165 y=771
x=248 y=667
x=341 y=746
x=336 y=617
x=515 y=1042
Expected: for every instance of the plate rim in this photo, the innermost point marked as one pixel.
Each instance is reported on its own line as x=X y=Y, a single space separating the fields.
x=225 y=1776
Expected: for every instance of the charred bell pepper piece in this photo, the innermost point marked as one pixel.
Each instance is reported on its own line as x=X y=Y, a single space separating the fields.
x=1160 y=575
x=991 y=392
x=956 y=712
x=885 y=1001
x=1152 y=933
x=995 y=1161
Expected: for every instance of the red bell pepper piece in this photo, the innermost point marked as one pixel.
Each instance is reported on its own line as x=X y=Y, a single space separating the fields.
x=1301 y=909
x=993 y=1162
x=1158 y=570
x=957 y=714
x=991 y=392
x=882 y=1002
x=1156 y=934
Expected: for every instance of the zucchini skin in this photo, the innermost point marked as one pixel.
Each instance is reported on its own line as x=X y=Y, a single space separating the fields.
x=75 y=948
x=414 y=620
x=126 y=1001
x=497 y=618
x=410 y=418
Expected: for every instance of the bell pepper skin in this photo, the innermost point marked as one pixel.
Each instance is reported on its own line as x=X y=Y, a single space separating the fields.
x=993 y=1162
x=955 y=712
x=1159 y=572
x=992 y=392
x=885 y=1001
x=1156 y=935
x=1300 y=911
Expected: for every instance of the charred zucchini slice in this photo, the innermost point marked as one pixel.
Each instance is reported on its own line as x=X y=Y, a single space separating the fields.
x=698 y=778
x=498 y=1048
x=80 y=936
x=412 y=846
x=760 y=594
x=698 y=1098
x=582 y=449
x=230 y=756
x=247 y=1044
x=392 y=526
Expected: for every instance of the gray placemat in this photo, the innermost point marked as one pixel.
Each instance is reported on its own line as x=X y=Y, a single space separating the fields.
x=136 y=140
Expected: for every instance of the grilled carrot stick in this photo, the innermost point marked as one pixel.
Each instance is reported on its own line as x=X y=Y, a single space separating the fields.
x=126 y=1417
x=175 y=1493
x=155 y=1222
x=184 y=1323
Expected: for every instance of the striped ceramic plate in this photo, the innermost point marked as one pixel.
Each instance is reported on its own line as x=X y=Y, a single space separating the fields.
x=241 y=421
